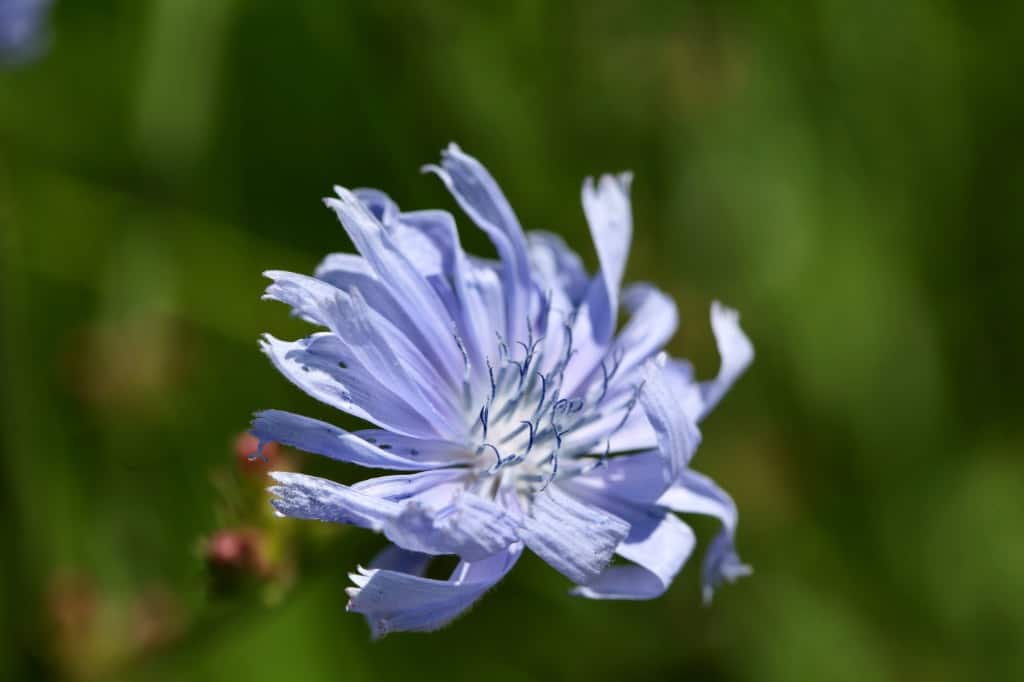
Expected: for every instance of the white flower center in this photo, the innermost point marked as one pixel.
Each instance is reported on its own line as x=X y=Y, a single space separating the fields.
x=522 y=429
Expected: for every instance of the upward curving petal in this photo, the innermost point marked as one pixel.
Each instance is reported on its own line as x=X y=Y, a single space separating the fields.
x=610 y=218
x=407 y=285
x=557 y=268
x=467 y=308
x=658 y=543
x=735 y=349
x=378 y=203
x=480 y=197
x=676 y=433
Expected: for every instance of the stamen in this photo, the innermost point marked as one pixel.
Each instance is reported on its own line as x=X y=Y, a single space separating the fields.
x=529 y=446
x=483 y=419
x=465 y=355
x=604 y=383
x=543 y=391
x=502 y=346
x=554 y=470
x=629 y=407
x=490 y=373
x=467 y=390
x=497 y=465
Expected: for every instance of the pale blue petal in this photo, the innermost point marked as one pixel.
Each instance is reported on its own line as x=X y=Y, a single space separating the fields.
x=485 y=284
x=374 y=449
x=310 y=497
x=639 y=478
x=373 y=343
x=658 y=544
x=320 y=366
x=480 y=197
x=468 y=526
x=407 y=285
x=676 y=433
x=395 y=602
x=610 y=218
x=381 y=349
x=394 y=558
x=471 y=527
x=574 y=537
x=349 y=271
x=436 y=488
x=557 y=268
x=653 y=319
x=735 y=350
x=469 y=313
x=697 y=494
x=652 y=322
x=378 y=203
x=621 y=426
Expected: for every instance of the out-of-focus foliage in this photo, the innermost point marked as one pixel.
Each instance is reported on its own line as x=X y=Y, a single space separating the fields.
x=847 y=174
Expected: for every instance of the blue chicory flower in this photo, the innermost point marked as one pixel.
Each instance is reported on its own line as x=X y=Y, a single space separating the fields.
x=503 y=384
x=22 y=29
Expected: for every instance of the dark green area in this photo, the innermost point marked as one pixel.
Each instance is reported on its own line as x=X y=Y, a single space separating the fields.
x=847 y=174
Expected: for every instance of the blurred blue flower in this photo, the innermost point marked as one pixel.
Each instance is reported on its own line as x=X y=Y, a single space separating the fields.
x=23 y=26
x=503 y=384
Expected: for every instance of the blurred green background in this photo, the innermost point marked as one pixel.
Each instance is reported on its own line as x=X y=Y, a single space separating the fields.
x=846 y=174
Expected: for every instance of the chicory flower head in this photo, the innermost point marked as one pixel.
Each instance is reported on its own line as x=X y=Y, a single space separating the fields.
x=529 y=421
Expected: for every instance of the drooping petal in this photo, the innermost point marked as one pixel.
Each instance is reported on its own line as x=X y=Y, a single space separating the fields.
x=735 y=350
x=374 y=449
x=658 y=544
x=574 y=537
x=393 y=601
x=677 y=435
x=394 y=558
x=610 y=218
x=697 y=494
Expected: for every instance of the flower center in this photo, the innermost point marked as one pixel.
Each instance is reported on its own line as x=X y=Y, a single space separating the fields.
x=522 y=429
